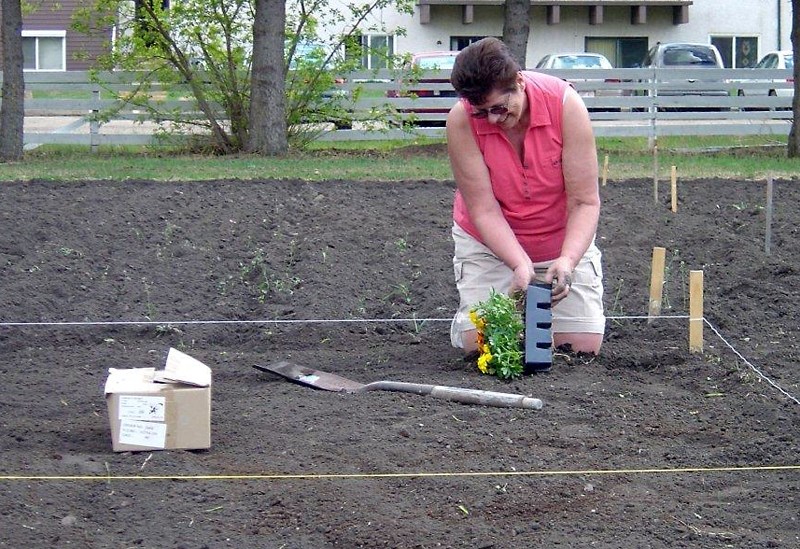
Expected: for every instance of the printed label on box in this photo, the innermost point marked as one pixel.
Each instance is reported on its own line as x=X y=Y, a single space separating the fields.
x=142 y=433
x=149 y=408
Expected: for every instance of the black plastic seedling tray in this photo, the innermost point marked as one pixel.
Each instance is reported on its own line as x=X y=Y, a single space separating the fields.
x=538 y=333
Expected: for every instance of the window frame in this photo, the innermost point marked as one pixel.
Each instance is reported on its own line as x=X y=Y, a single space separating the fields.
x=619 y=48
x=368 y=58
x=734 y=53
x=36 y=35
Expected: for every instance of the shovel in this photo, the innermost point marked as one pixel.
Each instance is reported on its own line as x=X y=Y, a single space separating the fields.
x=333 y=382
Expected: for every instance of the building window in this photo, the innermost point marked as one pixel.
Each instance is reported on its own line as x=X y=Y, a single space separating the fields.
x=44 y=50
x=738 y=52
x=622 y=52
x=458 y=43
x=376 y=50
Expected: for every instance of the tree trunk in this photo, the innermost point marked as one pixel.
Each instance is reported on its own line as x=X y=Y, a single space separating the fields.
x=793 y=149
x=268 y=132
x=516 y=27
x=12 y=111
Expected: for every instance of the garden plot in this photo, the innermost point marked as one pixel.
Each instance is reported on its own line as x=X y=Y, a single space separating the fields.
x=648 y=445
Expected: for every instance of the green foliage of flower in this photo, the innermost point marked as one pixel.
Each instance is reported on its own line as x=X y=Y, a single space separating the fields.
x=500 y=336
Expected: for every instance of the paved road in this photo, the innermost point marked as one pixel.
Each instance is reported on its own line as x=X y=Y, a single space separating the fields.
x=41 y=129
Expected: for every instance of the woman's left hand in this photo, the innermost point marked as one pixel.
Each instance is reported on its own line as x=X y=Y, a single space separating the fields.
x=559 y=274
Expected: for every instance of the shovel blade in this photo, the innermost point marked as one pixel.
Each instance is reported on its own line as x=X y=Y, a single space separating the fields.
x=311 y=377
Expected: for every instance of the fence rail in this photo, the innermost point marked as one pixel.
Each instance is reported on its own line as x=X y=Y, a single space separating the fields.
x=621 y=102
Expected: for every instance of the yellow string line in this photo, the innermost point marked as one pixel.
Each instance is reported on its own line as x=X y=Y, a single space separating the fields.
x=346 y=476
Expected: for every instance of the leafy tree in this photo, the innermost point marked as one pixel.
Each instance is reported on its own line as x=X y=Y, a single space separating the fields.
x=12 y=112
x=233 y=58
x=516 y=28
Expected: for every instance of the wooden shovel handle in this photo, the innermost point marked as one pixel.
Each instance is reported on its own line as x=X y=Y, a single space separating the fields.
x=458 y=394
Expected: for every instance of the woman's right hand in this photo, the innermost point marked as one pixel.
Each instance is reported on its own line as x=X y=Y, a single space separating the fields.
x=523 y=277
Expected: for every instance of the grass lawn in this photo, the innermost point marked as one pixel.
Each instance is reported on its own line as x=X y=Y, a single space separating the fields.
x=750 y=157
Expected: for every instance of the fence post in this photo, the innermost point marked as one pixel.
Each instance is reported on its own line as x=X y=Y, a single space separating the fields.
x=94 y=125
x=653 y=94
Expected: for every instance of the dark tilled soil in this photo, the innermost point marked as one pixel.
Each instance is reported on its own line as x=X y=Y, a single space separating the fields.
x=648 y=445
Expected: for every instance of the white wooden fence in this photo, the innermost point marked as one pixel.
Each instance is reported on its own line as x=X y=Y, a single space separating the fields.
x=622 y=102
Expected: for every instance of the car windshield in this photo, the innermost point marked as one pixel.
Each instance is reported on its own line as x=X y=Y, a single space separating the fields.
x=689 y=56
x=577 y=62
x=789 y=61
x=444 y=62
x=306 y=53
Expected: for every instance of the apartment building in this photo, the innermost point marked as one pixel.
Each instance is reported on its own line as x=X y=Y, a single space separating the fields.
x=622 y=30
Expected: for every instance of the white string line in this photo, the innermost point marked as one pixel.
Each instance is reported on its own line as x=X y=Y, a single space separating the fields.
x=377 y=320
x=259 y=321
x=281 y=321
x=751 y=366
x=638 y=317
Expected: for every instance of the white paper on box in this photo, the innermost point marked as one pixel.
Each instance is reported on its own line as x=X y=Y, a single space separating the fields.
x=148 y=408
x=132 y=381
x=142 y=433
x=182 y=368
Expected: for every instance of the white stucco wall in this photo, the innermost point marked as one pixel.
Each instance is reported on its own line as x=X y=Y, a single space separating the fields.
x=706 y=18
x=744 y=17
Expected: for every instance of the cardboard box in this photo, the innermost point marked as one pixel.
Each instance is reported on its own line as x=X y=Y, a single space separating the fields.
x=167 y=409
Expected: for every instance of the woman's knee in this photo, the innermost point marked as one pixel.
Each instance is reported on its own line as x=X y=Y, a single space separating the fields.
x=579 y=342
x=466 y=340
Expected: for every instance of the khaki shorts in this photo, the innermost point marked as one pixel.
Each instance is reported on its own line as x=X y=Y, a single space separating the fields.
x=477 y=270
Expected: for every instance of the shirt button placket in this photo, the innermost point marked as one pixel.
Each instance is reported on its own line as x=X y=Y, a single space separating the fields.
x=526 y=190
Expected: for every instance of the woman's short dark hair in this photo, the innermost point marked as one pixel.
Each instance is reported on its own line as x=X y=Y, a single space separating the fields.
x=482 y=67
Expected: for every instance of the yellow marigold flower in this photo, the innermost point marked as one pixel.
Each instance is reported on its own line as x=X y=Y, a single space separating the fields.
x=477 y=320
x=500 y=330
x=483 y=362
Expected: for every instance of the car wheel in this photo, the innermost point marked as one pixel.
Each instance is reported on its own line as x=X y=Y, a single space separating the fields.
x=772 y=93
x=740 y=93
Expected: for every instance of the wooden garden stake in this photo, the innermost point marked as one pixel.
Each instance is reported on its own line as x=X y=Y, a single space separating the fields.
x=768 y=232
x=656 y=283
x=674 y=188
x=605 y=170
x=696 y=311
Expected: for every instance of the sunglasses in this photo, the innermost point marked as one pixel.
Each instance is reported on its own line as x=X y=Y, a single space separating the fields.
x=497 y=109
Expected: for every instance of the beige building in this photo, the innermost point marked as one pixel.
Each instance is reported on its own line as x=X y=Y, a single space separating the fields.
x=622 y=30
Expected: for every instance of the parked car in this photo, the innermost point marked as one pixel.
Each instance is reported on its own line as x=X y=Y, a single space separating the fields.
x=687 y=55
x=426 y=61
x=574 y=61
x=583 y=60
x=671 y=55
x=424 y=89
x=783 y=59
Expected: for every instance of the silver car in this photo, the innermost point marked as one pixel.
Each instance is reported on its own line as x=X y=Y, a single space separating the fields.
x=584 y=60
x=783 y=59
x=688 y=55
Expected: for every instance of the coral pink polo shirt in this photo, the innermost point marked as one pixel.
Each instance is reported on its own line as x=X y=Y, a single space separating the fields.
x=530 y=189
